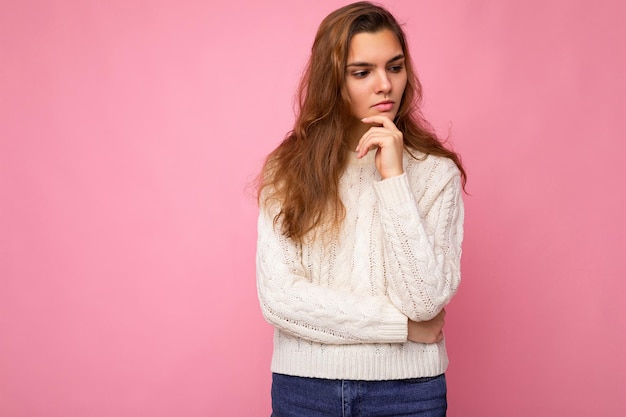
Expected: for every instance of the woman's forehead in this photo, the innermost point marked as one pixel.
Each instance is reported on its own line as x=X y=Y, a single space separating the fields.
x=371 y=48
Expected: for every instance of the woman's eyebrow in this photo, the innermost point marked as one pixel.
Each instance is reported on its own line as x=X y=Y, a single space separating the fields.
x=396 y=58
x=367 y=64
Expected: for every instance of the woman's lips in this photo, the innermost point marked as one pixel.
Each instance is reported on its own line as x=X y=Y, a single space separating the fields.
x=383 y=106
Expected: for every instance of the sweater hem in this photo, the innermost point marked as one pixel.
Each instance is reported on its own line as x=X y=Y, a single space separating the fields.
x=359 y=362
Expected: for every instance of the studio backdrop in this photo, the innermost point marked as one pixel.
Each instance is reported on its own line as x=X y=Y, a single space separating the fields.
x=131 y=133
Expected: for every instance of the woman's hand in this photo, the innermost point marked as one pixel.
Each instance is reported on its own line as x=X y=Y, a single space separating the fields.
x=389 y=140
x=430 y=331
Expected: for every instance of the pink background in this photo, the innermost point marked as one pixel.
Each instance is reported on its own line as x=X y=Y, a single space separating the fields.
x=130 y=130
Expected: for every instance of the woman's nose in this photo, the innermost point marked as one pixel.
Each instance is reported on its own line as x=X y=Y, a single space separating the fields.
x=383 y=85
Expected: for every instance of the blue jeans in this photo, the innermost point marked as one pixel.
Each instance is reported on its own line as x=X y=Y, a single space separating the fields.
x=294 y=396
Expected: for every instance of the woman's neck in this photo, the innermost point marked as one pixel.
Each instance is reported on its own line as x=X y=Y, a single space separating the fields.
x=356 y=130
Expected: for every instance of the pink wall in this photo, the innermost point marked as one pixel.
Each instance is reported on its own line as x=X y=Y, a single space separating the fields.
x=128 y=133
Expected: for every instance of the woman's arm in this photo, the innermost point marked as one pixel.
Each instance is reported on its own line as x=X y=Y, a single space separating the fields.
x=292 y=303
x=423 y=236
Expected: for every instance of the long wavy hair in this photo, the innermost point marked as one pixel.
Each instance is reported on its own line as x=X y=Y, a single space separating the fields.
x=302 y=173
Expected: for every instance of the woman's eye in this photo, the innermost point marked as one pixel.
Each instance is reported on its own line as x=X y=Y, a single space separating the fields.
x=396 y=68
x=360 y=74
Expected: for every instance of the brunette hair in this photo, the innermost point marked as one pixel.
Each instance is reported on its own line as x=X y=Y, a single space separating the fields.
x=302 y=173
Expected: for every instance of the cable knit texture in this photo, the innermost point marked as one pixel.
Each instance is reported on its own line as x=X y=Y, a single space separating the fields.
x=340 y=304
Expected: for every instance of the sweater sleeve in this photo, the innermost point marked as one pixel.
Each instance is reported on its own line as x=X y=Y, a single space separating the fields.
x=295 y=305
x=423 y=238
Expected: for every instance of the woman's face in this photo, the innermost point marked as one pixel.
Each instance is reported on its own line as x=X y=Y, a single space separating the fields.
x=375 y=76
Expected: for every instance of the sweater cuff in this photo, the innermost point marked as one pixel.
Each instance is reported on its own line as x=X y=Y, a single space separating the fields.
x=394 y=328
x=393 y=191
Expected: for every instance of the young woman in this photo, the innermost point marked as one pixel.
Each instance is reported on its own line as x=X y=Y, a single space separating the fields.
x=359 y=233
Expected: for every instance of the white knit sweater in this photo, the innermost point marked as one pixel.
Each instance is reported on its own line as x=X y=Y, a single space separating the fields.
x=340 y=307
